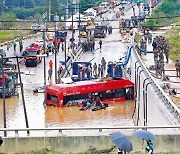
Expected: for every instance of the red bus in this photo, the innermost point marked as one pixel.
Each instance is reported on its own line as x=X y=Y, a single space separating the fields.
x=111 y=89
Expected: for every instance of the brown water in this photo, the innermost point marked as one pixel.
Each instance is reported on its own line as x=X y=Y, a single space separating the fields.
x=117 y=114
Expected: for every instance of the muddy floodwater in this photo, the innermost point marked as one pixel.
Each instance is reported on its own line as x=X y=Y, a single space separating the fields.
x=117 y=114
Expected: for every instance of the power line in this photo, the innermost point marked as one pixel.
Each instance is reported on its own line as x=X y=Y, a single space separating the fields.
x=175 y=16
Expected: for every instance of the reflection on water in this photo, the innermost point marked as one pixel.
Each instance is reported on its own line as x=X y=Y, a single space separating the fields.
x=71 y=116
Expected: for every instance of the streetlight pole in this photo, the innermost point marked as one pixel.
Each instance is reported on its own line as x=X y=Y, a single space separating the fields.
x=55 y=58
x=3 y=96
x=22 y=93
x=44 y=47
x=79 y=23
x=49 y=10
x=65 y=58
x=72 y=23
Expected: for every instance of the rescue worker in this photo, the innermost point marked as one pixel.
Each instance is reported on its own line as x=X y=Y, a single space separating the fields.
x=99 y=70
x=62 y=46
x=20 y=46
x=95 y=69
x=50 y=64
x=50 y=74
x=14 y=45
x=102 y=71
x=93 y=45
x=81 y=73
x=103 y=63
x=177 y=66
x=154 y=44
x=59 y=71
x=58 y=41
x=100 y=43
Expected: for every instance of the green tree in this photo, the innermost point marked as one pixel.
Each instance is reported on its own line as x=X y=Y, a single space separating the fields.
x=7 y=17
x=37 y=16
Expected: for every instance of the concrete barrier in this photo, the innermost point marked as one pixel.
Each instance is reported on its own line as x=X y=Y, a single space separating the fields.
x=77 y=144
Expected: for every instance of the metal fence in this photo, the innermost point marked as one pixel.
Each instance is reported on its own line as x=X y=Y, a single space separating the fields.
x=100 y=129
x=173 y=109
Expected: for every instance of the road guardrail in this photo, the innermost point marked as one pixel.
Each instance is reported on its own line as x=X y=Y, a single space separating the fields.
x=162 y=95
x=100 y=129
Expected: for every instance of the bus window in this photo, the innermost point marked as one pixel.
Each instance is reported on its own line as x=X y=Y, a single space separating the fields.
x=109 y=94
x=52 y=98
x=74 y=97
x=119 y=93
x=129 y=92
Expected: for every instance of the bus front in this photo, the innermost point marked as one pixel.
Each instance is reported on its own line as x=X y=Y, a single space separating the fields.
x=53 y=97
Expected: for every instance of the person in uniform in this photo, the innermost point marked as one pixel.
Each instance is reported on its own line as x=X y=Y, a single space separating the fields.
x=177 y=66
x=95 y=69
x=100 y=43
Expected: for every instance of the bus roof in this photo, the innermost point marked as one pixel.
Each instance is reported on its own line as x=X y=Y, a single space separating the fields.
x=90 y=86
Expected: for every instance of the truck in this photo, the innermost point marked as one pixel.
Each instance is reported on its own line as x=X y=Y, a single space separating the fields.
x=100 y=31
x=31 y=58
x=83 y=31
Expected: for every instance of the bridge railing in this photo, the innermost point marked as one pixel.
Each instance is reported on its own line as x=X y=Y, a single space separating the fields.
x=100 y=129
x=162 y=95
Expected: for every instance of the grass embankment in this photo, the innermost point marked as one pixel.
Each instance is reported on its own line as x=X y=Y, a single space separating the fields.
x=10 y=35
x=49 y=150
x=167 y=8
x=173 y=38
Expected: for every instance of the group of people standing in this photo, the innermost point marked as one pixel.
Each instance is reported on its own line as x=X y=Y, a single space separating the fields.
x=88 y=45
x=14 y=44
x=160 y=48
x=99 y=70
x=50 y=70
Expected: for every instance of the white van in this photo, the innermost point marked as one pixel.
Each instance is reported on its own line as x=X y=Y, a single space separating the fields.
x=91 y=13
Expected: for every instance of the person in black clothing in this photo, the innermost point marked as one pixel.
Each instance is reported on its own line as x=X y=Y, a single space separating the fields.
x=1 y=140
x=100 y=44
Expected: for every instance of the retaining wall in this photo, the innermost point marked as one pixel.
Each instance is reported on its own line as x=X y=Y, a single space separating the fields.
x=77 y=144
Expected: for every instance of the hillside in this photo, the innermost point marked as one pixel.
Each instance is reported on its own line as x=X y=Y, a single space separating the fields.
x=23 y=9
x=167 y=8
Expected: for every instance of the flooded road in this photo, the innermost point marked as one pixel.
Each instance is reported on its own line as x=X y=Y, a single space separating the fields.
x=117 y=114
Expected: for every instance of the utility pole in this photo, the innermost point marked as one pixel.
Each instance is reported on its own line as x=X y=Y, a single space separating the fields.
x=3 y=96
x=49 y=10
x=55 y=60
x=79 y=23
x=22 y=94
x=72 y=22
x=44 y=46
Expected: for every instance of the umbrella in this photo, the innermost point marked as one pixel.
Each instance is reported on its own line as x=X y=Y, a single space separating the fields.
x=122 y=141
x=144 y=134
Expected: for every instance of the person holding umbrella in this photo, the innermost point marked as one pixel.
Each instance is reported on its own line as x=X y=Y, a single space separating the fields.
x=1 y=140
x=148 y=136
x=122 y=141
x=149 y=147
x=121 y=151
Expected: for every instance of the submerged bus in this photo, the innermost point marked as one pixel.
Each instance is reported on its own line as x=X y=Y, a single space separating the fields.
x=111 y=90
